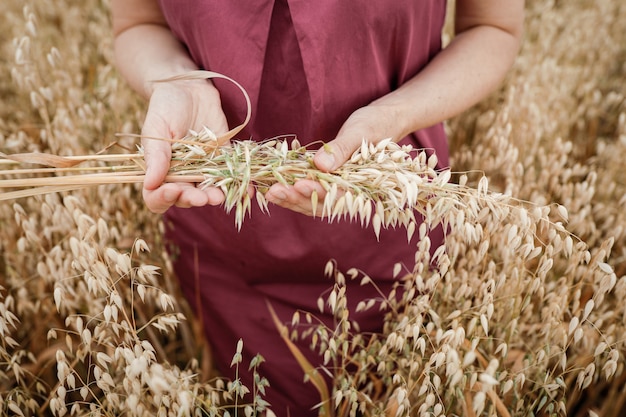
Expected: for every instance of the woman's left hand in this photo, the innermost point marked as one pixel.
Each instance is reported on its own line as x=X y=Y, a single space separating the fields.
x=487 y=39
x=371 y=123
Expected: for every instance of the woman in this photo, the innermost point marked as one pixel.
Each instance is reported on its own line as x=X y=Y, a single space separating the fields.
x=337 y=71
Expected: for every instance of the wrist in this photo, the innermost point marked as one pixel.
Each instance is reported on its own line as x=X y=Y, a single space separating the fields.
x=206 y=87
x=396 y=119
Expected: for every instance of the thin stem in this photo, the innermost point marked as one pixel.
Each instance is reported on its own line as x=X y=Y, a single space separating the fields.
x=81 y=158
x=93 y=179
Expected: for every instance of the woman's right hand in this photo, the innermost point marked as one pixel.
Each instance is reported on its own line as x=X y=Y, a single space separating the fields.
x=174 y=108
x=146 y=51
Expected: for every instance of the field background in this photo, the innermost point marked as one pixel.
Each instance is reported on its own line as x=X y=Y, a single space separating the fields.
x=90 y=317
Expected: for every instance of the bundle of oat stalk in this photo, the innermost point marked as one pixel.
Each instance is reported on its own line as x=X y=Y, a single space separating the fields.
x=383 y=184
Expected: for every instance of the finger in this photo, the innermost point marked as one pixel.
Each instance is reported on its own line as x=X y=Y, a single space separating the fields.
x=191 y=197
x=157 y=155
x=215 y=196
x=162 y=198
x=277 y=194
x=335 y=153
x=299 y=197
x=306 y=188
x=195 y=197
x=181 y=195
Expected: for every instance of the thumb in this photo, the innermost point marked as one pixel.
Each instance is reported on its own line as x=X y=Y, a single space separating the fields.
x=334 y=154
x=157 y=156
x=157 y=153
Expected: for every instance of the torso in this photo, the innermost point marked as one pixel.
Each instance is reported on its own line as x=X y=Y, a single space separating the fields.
x=306 y=72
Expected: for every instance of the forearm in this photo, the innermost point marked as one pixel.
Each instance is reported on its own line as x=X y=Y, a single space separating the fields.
x=470 y=68
x=148 y=52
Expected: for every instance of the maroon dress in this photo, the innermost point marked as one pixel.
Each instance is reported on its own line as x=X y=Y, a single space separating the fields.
x=307 y=65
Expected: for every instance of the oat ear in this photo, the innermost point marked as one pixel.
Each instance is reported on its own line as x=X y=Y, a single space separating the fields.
x=314 y=376
x=47 y=159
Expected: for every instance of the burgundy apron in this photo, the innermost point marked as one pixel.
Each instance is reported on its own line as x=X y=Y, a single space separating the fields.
x=307 y=65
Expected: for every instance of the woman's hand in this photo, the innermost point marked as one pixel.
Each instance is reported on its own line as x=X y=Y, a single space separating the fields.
x=146 y=51
x=175 y=107
x=372 y=123
x=488 y=36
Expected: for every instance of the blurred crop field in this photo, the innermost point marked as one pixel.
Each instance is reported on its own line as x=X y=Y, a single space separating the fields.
x=92 y=323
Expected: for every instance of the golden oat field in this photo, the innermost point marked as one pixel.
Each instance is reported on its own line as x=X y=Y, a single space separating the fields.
x=525 y=314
